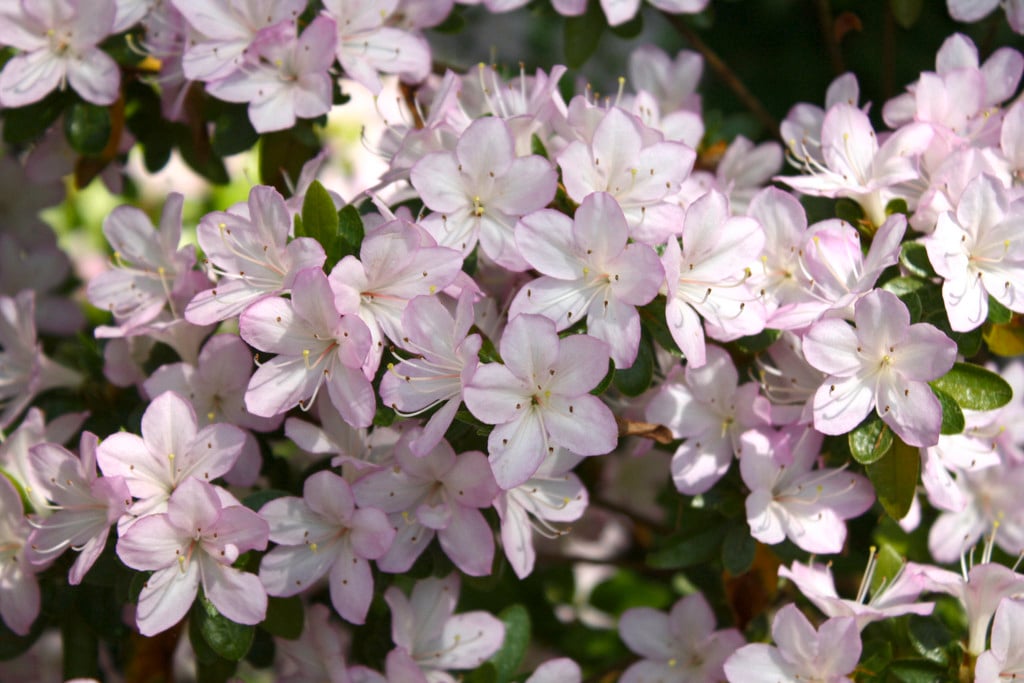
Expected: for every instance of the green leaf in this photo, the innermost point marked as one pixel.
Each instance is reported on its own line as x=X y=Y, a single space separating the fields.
x=87 y=128
x=517 y=637
x=870 y=440
x=888 y=564
x=897 y=205
x=582 y=35
x=998 y=314
x=930 y=638
x=914 y=258
x=636 y=379
x=606 y=381
x=485 y=673
x=895 y=478
x=537 y=147
x=952 y=416
x=350 y=232
x=453 y=24
x=918 y=671
x=26 y=124
x=652 y=318
x=758 y=342
x=906 y=12
x=232 y=131
x=285 y=617
x=227 y=638
x=257 y=499
x=974 y=388
x=738 y=549
x=631 y=29
x=849 y=210
x=283 y=153
x=693 y=550
x=320 y=221
x=626 y=589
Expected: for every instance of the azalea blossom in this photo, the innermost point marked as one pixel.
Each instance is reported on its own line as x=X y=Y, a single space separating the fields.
x=884 y=363
x=789 y=499
x=59 y=45
x=1004 y=660
x=195 y=543
x=801 y=652
x=979 y=253
x=589 y=271
x=682 y=646
x=171 y=450
x=539 y=398
x=85 y=506
x=20 y=599
x=323 y=533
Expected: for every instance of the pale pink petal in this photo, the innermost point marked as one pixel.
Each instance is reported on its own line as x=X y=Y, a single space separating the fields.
x=237 y=595
x=166 y=597
x=351 y=586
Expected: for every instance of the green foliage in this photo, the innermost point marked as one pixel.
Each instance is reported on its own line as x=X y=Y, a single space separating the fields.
x=870 y=440
x=582 y=35
x=227 y=639
x=636 y=379
x=974 y=388
x=894 y=477
x=87 y=128
x=914 y=257
x=517 y=637
x=285 y=617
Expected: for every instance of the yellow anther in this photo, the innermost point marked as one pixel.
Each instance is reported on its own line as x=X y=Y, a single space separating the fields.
x=222 y=225
x=673 y=662
x=211 y=415
x=314 y=547
x=433 y=288
x=170 y=456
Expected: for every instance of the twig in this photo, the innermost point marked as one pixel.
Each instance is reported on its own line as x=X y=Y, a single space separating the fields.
x=724 y=72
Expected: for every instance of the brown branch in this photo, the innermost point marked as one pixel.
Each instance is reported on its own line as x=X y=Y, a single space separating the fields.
x=725 y=72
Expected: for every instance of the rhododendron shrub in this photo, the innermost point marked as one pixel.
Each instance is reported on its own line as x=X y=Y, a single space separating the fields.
x=488 y=375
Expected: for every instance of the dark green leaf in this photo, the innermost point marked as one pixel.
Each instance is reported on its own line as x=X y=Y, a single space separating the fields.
x=350 y=232
x=930 y=638
x=454 y=23
x=636 y=379
x=320 y=221
x=227 y=638
x=952 y=416
x=631 y=29
x=195 y=149
x=906 y=12
x=897 y=205
x=626 y=589
x=606 y=381
x=12 y=645
x=283 y=153
x=232 y=131
x=285 y=617
x=652 y=318
x=25 y=124
x=537 y=146
x=998 y=314
x=257 y=499
x=975 y=388
x=918 y=671
x=261 y=654
x=870 y=440
x=582 y=35
x=517 y=637
x=895 y=478
x=486 y=673
x=914 y=257
x=758 y=342
x=738 y=550
x=888 y=564
x=87 y=128
x=849 y=211
x=690 y=551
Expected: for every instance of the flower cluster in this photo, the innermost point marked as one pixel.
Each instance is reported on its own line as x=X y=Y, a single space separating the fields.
x=549 y=309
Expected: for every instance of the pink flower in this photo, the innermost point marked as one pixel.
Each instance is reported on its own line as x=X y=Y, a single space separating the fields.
x=979 y=253
x=790 y=500
x=85 y=505
x=315 y=345
x=59 y=43
x=290 y=78
x=680 y=647
x=481 y=189
x=171 y=450
x=884 y=363
x=803 y=653
x=707 y=408
x=249 y=249
x=195 y=542
x=434 y=493
x=322 y=533
x=429 y=638
x=445 y=360
x=539 y=398
x=589 y=271
x=1005 y=659
x=707 y=277
x=19 y=599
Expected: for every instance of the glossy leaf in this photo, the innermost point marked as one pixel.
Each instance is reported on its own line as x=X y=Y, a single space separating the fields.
x=517 y=638
x=870 y=440
x=975 y=388
x=895 y=477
